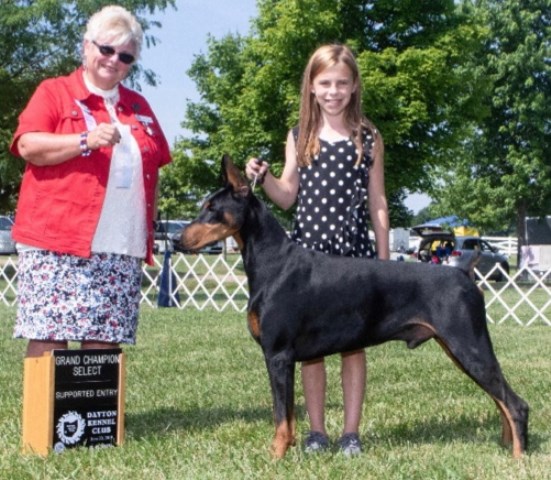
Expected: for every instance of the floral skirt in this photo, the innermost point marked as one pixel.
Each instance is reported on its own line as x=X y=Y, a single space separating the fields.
x=65 y=297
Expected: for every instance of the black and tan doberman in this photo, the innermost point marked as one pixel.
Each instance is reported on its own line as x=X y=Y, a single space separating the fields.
x=305 y=304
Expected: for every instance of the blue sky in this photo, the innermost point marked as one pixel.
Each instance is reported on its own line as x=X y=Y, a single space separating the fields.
x=183 y=35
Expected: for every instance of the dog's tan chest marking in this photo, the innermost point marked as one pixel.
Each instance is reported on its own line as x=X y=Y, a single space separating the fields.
x=254 y=324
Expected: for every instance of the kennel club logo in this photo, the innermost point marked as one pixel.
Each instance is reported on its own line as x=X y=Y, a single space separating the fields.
x=85 y=428
x=70 y=429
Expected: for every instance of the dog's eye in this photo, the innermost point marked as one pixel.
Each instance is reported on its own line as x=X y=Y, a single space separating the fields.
x=214 y=213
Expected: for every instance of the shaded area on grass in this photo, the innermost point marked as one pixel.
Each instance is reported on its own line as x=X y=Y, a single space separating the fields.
x=198 y=406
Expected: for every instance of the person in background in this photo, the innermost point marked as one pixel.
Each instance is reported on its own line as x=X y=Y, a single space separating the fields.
x=84 y=222
x=334 y=170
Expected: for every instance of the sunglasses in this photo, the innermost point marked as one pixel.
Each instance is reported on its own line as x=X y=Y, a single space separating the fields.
x=109 y=51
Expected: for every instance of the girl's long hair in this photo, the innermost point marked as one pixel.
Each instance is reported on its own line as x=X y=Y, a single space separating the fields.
x=310 y=113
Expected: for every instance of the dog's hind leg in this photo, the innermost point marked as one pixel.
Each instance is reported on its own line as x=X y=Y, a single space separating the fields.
x=281 y=371
x=475 y=356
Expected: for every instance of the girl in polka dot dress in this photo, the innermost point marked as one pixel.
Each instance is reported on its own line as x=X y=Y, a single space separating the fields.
x=334 y=170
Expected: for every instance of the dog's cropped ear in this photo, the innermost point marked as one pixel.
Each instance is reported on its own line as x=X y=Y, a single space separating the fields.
x=233 y=177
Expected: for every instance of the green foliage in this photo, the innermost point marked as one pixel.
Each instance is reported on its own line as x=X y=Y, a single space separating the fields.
x=40 y=39
x=422 y=216
x=416 y=87
x=505 y=172
x=198 y=407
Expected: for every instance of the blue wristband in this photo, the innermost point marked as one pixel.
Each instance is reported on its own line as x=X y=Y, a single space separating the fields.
x=84 y=149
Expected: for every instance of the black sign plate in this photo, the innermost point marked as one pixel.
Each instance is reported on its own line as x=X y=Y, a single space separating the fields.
x=86 y=398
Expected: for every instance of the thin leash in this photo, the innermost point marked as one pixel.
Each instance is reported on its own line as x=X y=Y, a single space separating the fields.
x=258 y=161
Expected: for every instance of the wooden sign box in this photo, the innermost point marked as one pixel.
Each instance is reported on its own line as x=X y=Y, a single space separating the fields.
x=73 y=398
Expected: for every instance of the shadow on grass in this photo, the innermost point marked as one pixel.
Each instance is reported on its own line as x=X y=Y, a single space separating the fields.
x=165 y=420
x=465 y=428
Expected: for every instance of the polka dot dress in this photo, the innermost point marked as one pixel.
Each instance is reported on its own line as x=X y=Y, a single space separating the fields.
x=332 y=213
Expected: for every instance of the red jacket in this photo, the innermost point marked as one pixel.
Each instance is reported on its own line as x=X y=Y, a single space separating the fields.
x=59 y=205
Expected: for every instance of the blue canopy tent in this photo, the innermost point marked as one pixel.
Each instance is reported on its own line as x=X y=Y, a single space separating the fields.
x=460 y=226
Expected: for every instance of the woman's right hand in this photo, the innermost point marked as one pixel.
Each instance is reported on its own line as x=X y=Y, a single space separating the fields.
x=104 y=135
x=45 y=148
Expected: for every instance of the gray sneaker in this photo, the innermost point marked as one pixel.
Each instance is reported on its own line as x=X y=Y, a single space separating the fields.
x=350 y=444
x=316 y=442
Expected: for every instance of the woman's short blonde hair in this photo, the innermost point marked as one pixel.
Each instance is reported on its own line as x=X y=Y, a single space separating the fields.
x=117 y=23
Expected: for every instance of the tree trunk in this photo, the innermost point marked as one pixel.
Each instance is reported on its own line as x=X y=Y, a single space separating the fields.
x=521 y=229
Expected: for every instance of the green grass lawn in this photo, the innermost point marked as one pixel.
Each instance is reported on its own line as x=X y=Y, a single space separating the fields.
x=198 y=406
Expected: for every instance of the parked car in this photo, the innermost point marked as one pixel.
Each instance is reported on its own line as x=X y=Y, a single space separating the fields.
x=167 y=235
x=443 y=247
x=7 y=245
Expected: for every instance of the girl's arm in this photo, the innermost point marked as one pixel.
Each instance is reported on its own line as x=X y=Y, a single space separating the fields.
x=378 y=206
x=282 y=191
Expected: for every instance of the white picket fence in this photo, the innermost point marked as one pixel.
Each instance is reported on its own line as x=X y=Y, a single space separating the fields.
x=506 y=245
x=218 y=281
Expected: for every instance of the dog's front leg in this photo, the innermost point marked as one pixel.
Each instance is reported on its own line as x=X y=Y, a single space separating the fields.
x=281 y=370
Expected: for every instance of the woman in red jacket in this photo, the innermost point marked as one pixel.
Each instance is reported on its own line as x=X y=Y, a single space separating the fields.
x=84 y=221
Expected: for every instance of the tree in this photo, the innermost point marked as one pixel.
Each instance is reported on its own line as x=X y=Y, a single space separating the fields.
x=424 y=215
x=415 y=89
x=505 y=173
x=40 y=39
